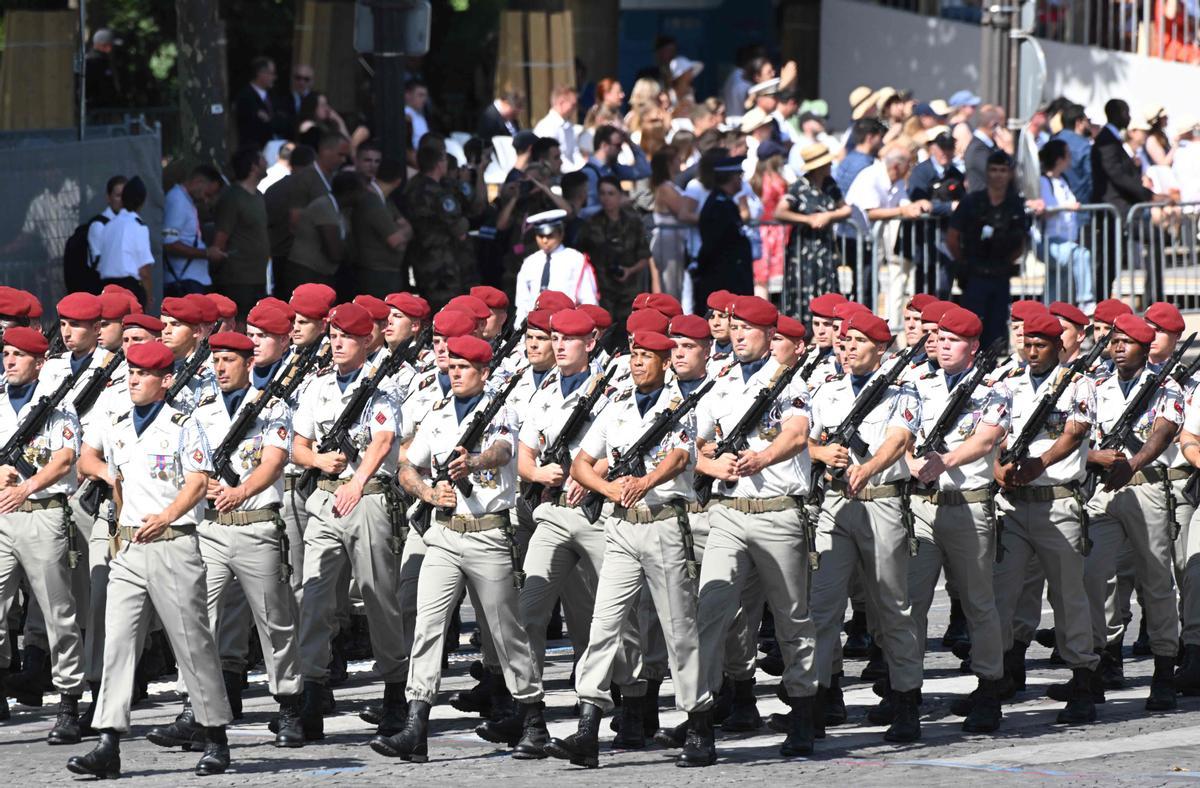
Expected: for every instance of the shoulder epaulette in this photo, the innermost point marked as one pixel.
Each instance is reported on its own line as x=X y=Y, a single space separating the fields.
x=207 y=399
x=725 y=370
x=440 y=404
x=121 y=417
x=623 y=394
x=547 y=382
x=834 y=376
x=180 y=418
x=928 y=376
x=138 y=219
x=427 y=381
x=1012 y=373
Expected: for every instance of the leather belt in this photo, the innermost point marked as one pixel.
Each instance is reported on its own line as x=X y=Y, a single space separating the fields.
x=41 y=504
x=246 y=517
x=694 y=507
x=373 y=487
x=642 y=513
x=953 y=497
x=872 y=493
x=759 y=505
x=126 y=532
x=1155 y=474
x=1039 y=494
x=470 y=524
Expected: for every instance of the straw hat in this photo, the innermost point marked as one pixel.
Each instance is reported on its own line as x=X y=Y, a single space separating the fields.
x=815 y=156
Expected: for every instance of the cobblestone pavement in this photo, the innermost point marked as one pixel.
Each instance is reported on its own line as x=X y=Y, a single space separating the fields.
x=1126 y=747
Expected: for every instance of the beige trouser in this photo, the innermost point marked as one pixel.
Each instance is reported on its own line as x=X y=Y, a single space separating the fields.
x=1136 y=513
x=170 y=576
x=1118 y=594
x=1028 y=615
x=36 y=543
x=410 y=573
x=1049 y=530
x=359 y=540
x=35 y=625
x=248 y=556
x=295 y=521
x=961 y=539
x=480 y=560
x=773 y=546
x=637 y=556
x=867 y=535
x=1187 y=567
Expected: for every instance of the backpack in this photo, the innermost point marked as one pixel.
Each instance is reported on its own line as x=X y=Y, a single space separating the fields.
x=78 y=273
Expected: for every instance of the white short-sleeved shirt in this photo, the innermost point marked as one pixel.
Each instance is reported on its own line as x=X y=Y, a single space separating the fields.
x=1077 y=404
x=96 y=233
x=721 y=409
x=989 y=405
x=124 y=247
x=323 y=402
x=1167 y=404
x=547 y=412
x=900 y=408
x=570 y=272
x=620 y=425
x=873 y=188
x=423 y=393
x=152 y=467
x=494 y=490
x=61 y=431
x=181 y=223
x=271 y=429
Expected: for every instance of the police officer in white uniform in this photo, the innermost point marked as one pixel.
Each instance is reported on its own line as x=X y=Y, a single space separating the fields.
x=553 y=267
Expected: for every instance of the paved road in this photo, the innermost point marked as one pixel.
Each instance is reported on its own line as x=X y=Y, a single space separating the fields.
x=1125 y=748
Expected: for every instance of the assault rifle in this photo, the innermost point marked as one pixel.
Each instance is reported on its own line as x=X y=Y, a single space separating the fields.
x=935 y=440
x=87 y=397
x=502 y=349
x=13 y=452
x=190 y=368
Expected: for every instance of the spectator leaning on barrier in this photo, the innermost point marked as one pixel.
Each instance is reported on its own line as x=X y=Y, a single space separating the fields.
x=185 y=267
x=867 y=139
x=939 y=182
x=241 y=234
x=814 y=204
x=1067 y=261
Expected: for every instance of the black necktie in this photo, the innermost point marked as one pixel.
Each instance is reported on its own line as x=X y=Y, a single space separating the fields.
x=546 y=272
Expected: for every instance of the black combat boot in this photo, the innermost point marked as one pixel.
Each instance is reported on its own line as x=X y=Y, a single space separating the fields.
x=876 y=667
x=1141 y=646
x=1014 y=666
x=184 y=732
x=233 y=690
x=215 y=759
x=834 y=705
x=700 y=748
x=672 y=738
x=581 y=748
x=412 y=743
x=906 y=722
x=956 y=630
x=650 y=708
x=858 y=639
x=103 y=762
x=1081 y=707
x=799 y=741
x=723 y=701
x=1187 y=678
x=772 y=662
x=1064 y=692
x=1046 y=638
x=89 y=714
x=985 y=714
x=311 y=718
x=33 y=680
x=631 y=731
x=502 y=702
x=534 y=736
x=394 y=710
x=290 y=730
x=66 y=726
x=743 y=716
x=1162 y=685
x=1112 y=666
x=478 y=699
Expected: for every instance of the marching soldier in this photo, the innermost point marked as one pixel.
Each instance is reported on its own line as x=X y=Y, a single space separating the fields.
x=1042 y=509
x=912 y=316
x=183 y=330
x=467 y=543
x=1074 y=324
x=952 y=505
x=497 y=304
x=349 y=519
x=718 y=325
x=408 y=315
x=824 y=325
x=788 y=346
x=159 y=464
x=377 y=349
x=643 y=544
x=860 y=523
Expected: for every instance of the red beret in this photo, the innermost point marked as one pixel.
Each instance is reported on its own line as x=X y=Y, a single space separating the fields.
x=598 y=314
x=720 y=300
x=282 y=306
x=311 y=305
x=495 y=299
x=646 y=320
x=183 y=310
x=452 y=323
x=142 y=320
x=1042 y=323
x=472 y=349
x=932 y=312
x=375 y=307
x=471 y=305
x=269 y=319
x=572 y=322
x=351 y=319
x=791 y=328
x=652 y=340
x=918 y=302
x=869 y=324
x=962 y=322
x=226 y=306
x=322 y=292
x=118 y=289
x=209 y=312
x=1110 y=309
x=13 y=302
x=553 y=300
x=413 y=306
x=231 y=340
x=30 y=340
x=1135 y=328
x=80 y=306
x=1165 y=316
x=1068 y=312
x=691 y=326
x=150 y=355
x=35 y=306
x=1021 y=310
x=639 y=301
x=539 y=320
x=847 y=308
x=755 y=310
x=114 y=306
x=667 y=304
x=822 y=305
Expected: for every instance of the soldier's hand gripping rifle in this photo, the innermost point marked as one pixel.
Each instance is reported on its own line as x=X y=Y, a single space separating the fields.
x=190 y=368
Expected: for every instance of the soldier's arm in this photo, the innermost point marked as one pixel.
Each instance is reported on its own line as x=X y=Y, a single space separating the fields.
x=59 y=466
x=583 y=470
x=896 y=442
x=374 y=455
x=1161 y=435
x=1189 y=445
x=985 y=438
x=93 y=465
x=791 y=440
x=269 y=469
x=1032 y=467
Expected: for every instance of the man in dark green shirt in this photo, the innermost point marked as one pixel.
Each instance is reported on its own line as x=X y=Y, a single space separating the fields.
x=379 y=235
x=241 y=233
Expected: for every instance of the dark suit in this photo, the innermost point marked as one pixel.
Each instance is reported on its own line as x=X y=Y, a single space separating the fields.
x=920 y=239
x=975 y=163
x=1117 y=180
x=287 y=114
x=249 y=111
x=724 y=261
x=491 y=124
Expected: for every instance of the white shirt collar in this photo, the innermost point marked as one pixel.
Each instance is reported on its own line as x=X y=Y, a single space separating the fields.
x=262 y=94
x=985 y=139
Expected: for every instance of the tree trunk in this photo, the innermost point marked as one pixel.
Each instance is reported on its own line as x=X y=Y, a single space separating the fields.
x=203 y=107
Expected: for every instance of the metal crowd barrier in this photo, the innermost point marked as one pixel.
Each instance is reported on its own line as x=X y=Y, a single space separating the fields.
x=1074 y=255
x=1162 y=260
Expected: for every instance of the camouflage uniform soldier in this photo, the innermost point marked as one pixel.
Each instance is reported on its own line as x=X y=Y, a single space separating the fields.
x=615 y=240
x=440 y=255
